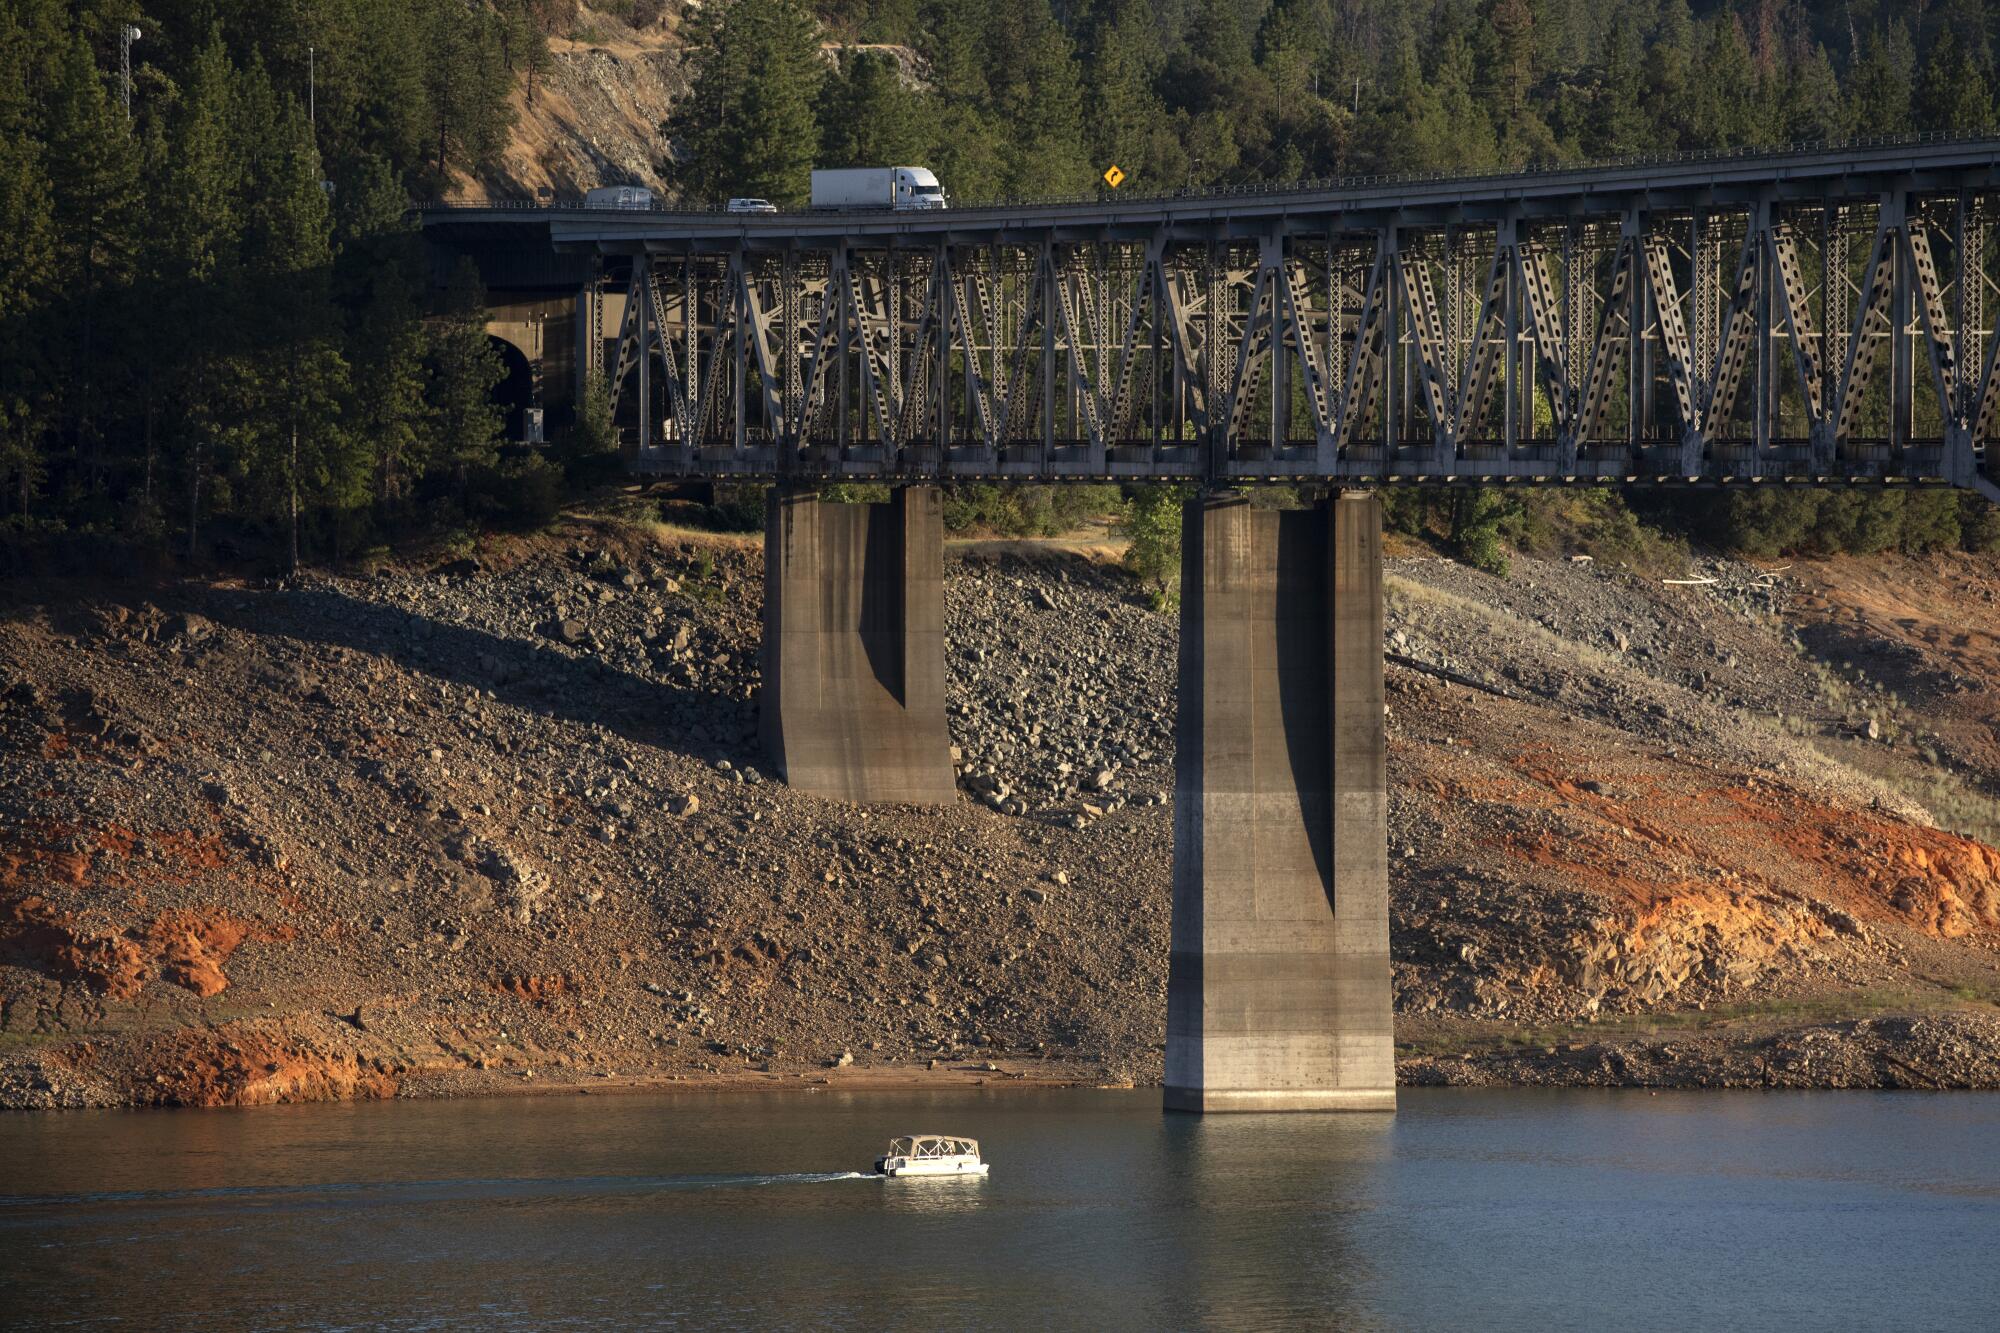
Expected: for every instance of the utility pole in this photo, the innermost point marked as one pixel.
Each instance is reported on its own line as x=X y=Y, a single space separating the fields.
x=127 y=36
x=312 y=90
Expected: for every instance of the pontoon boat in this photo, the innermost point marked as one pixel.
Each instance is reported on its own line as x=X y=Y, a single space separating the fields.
x=931 y=1155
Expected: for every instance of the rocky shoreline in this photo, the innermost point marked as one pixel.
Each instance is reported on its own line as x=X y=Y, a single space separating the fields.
x=498 y=823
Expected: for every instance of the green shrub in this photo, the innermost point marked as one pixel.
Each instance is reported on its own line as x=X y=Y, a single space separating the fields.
x=1152 y=524
x=524 y=492
x=855 y=493
x=588 y=450
x=1476 y=520
x=1979 y=523
x=1598 y=523
x=1024 y=510
x=1774 y=522
x=738 y=507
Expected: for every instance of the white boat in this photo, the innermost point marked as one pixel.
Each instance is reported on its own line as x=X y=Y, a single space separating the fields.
x=931 y=1155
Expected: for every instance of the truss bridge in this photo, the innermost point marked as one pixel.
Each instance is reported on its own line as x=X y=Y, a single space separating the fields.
x=1819 y=317
x=1815 y=316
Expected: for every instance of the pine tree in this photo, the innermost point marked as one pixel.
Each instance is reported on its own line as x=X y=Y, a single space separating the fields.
x=1878 y=90
x=1812 y=104
x=93 y=166
x=464 y=420
x=1971 y=24
x=1951 y=93
x=868 y=117
x=194 y=262
x=296 y=378
x=1424 y=125
x=1670 y=74
x=27 y=272
x=965 y=149
x=375 y=78
x=747 y=125
x=1039 y=97
x=1724 y=96
x=1513 y=64
x=467 y=81
x=1127 y=121
x=379 y=272
x=1219 y=97
x=1618 y=123
x=1310 y=134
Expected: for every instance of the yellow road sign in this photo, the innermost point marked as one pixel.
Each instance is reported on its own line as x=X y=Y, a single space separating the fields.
x=1113 y=176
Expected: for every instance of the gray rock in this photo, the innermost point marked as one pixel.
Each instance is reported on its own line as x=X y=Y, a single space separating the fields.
x=189 y=627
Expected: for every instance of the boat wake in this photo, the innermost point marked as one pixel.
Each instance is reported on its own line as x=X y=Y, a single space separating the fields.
x=403 y=1190
x=799 y=1178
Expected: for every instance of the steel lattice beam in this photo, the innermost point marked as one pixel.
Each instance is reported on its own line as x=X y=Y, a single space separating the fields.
x=1680 y=326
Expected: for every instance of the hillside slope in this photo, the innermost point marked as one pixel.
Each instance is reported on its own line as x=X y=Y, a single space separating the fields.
x=593 y=119
x=596 y=116
x=499 y=823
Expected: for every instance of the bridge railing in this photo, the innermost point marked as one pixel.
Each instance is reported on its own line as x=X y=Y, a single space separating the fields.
x=1251 y=189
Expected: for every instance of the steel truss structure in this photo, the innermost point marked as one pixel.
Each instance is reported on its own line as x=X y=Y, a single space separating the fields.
x=1819 y=319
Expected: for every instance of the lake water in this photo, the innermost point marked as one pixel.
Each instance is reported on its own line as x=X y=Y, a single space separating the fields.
x=1490 y=1210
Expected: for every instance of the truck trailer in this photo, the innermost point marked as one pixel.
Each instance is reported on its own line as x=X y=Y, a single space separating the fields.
x=889 y=188
x=619 y=196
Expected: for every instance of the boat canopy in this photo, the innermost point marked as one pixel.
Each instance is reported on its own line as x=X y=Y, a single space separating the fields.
x=920 y=1146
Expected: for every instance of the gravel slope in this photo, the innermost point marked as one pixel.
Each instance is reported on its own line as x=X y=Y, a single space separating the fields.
x=500 y=823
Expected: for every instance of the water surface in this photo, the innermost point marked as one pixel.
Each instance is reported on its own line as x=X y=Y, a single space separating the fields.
x=1494 y=1210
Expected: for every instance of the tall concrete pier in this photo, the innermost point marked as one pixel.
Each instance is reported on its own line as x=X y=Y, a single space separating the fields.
x=1278 y=991
x=853 y=698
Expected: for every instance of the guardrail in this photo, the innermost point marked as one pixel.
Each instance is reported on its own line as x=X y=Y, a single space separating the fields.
x=1532 y=171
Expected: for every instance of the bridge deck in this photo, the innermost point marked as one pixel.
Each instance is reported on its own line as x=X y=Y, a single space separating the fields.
x=1819 y=316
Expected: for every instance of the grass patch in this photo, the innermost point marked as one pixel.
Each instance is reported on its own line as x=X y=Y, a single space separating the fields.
x=1402 y=594
x=28 y=1041
x=1954 y=803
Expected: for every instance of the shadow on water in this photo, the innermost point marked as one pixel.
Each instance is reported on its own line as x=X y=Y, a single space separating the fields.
x=700 y=722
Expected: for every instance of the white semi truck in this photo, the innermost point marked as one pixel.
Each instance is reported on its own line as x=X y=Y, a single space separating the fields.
x=896 y=188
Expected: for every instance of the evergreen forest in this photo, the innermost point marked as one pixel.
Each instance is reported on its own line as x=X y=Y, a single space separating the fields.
x=220 y=338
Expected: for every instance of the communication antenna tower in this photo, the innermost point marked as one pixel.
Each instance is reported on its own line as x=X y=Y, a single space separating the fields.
x=129 y=35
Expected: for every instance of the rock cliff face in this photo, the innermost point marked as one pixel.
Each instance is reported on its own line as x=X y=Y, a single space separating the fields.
x=594 y=119
x=596 y=116
x=499 y=822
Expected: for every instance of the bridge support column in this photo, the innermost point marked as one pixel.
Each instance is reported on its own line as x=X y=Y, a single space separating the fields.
x=1278 y=993
x=853 y=698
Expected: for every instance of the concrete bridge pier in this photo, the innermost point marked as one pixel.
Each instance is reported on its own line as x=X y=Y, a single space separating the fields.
x=1278 y=991
x=853 y=697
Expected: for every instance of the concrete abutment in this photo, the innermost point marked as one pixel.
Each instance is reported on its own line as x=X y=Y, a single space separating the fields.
x=1278 y=992
x=853 y=699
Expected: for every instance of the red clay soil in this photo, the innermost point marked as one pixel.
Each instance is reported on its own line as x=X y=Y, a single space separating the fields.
x=183 y=946
x=249 y=1066
x=1671 y=834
